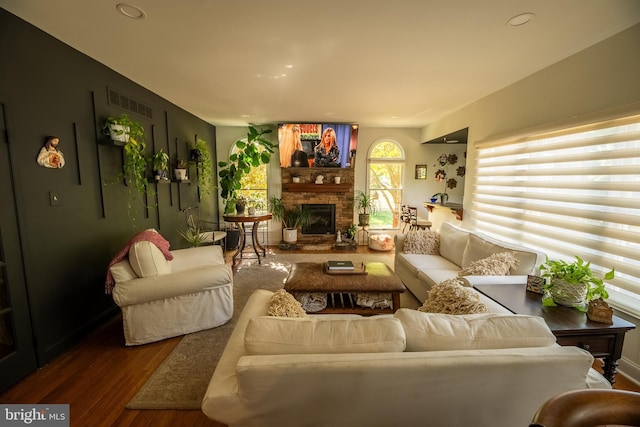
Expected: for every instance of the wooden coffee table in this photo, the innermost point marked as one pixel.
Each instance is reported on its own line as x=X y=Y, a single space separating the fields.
x=310 y=277
x=570 y=326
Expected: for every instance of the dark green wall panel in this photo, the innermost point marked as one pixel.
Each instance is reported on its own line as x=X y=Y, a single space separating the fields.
x=52 y=89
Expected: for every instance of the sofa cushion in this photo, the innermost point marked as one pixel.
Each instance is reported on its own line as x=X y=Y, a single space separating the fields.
x=451 y=297
x=498 y=264
x=453 y=241
x=422 y=242
x=316 y=334
x=283 y=304
x=479 y=247
x=147 y=260
x=432 y=332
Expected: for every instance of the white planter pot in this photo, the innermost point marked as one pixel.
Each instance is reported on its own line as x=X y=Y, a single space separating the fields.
x=181 y=174
x=119 y=133
x=290 y=235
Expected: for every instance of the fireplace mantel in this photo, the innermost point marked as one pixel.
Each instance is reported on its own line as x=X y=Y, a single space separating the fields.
x=316 y=188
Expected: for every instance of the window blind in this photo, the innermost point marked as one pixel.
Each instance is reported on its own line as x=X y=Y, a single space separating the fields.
x=570 y=192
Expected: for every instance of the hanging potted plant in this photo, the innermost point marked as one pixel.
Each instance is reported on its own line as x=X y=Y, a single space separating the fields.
x=572 y=284
x=200 y=154
x=291 y=218
x=366 y=206
x=160 y=161
x=121 y=128
x=134 y=167
x=253 y=152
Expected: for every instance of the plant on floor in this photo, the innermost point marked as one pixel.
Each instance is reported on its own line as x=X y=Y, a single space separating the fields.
x=290 y=217
x=252 y=152
x=366 y=205
x=572 y=284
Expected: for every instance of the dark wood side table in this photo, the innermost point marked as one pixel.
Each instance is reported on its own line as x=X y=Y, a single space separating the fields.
x=570 y=326
x=240 y=220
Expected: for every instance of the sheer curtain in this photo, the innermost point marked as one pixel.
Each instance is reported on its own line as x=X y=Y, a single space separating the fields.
x=570 y=192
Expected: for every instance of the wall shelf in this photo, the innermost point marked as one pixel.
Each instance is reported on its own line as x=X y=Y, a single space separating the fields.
x=315 y=188
x=455 y=208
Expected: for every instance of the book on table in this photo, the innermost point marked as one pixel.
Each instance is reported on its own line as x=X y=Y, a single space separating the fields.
x=340 y=265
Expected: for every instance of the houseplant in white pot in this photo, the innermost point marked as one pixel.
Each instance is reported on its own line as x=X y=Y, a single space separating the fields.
x=291 y=218
x=572 y=284
x=121 y=128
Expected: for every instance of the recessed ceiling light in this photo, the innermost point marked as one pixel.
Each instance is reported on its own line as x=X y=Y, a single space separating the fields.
x=520 y=19
x=129 y=11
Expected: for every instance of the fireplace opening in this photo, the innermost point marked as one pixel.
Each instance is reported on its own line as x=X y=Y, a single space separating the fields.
x=322 y=219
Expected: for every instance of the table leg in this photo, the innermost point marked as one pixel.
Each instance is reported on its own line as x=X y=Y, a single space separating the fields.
x=256 y=240
x=256 y=246
x=609 y=369
x=241 y=243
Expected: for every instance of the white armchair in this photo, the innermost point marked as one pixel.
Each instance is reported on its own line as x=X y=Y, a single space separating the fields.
x=161 y=299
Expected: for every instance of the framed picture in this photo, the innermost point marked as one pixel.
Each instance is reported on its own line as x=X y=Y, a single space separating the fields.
x=421 y=171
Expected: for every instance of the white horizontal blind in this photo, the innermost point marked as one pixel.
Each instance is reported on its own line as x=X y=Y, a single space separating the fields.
x=572 y=192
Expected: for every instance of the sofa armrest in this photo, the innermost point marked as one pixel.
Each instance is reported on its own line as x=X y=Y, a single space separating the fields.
x=398 y=240
x=146 y=289
x=185 y=259
x=471 y=281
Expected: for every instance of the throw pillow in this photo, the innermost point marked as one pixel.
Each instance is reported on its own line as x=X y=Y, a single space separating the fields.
x=494 y=265
x=324 y=335
x=283 y=304
x=147 y=260
x=425 y=242
x=437 y=332
x=452 y=297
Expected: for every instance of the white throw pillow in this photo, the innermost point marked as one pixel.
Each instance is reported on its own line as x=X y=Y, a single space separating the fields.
x=147 y=260
x=425 y=242
x=498 y=264
x=317 y=335
x=434 y=332
x=453 y=241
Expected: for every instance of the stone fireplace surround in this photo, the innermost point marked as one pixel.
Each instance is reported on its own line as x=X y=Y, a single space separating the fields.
x=307 y=192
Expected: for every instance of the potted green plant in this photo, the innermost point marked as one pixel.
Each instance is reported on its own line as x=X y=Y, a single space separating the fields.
x=351 y=231
x=160 y=161
x=241 y=203
x=290 y=217
x=180 y=170
x=366 y=206
x=200 y=154
x=572 y=284
x=121 y=128
x=253 y=152
x=193 y=234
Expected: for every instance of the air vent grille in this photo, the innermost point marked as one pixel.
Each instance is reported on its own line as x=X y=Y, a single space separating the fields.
x=126 y=103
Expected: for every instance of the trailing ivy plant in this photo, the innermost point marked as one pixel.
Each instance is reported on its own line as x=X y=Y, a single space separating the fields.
x=205 y=167
x=253 y=152
x=134 y=166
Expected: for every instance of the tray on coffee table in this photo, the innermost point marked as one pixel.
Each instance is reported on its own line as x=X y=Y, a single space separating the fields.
x=358 y=268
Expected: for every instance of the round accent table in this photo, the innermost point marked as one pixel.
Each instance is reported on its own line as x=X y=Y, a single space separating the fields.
x=241 y=220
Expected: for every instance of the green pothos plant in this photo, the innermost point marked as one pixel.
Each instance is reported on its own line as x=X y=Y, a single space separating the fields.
x=205 y=167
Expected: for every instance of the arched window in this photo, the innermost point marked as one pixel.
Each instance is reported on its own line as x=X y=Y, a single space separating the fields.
x=384 y=183
x=254 y=185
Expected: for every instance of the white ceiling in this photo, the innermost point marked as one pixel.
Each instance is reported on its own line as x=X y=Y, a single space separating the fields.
x=401 y=63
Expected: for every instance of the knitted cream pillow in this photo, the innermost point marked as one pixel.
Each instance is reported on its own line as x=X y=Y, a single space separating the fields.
x=495 y=265
x=283 y=304
x=424 y=242
x=451 y=297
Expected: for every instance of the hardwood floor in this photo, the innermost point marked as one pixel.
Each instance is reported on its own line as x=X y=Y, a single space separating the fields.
x=100 y=375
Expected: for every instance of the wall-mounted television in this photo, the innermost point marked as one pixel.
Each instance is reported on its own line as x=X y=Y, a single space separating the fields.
x=317 y=144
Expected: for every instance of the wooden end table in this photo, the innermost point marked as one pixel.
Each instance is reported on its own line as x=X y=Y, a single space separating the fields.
x=310 y=277
x=570 y=326
x=241 y=220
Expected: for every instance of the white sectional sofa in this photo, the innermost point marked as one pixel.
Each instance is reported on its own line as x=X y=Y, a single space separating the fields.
x=406 y=369
x=458 y=249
